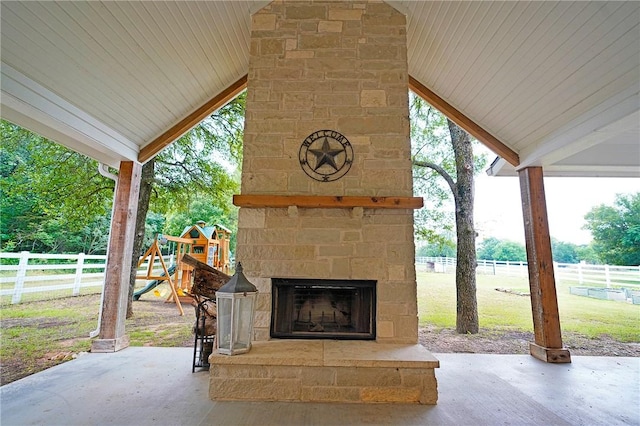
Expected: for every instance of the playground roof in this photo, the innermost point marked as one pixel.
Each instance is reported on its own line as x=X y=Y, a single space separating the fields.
x=206 y=231
x=556 y=82
x=224 y=228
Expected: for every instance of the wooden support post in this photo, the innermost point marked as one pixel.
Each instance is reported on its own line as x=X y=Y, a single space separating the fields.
x=112 y=336
x=544 y=302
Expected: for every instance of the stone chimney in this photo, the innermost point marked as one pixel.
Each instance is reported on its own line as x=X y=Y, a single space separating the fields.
x=341 y=67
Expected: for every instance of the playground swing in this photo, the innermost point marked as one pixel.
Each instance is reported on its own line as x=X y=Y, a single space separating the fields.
x=206 y=244
x=153 y=254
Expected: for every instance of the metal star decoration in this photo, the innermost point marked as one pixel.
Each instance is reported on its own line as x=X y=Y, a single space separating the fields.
x=326 y=155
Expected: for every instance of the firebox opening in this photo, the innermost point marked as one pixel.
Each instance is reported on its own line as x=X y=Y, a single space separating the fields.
x=323 y=309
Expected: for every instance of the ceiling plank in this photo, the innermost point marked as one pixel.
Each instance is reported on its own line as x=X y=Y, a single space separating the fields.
x=465 y=122
x=187 y=123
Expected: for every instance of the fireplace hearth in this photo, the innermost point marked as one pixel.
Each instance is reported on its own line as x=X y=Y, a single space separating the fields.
x=323 y=309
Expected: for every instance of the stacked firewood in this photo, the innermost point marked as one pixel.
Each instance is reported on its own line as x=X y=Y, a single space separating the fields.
x=207 y=323
x=206 y=281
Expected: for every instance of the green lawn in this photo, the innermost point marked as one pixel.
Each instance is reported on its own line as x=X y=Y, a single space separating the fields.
x=35 y=335
x=499 y=310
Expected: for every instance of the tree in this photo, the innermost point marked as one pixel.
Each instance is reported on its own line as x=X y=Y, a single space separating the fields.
x=564 y=252
x=510 y=251
x=48 y=192
x=616 y=230
x=51 y=199
x=456 y=166
x=487 y=248
x=146 y=187
x=202 y=209
x=587 y=254
x=502 y=250
x=447 y=249
x=190 y=169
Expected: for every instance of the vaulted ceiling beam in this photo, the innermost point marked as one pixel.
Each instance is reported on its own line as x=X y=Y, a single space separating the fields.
x=184 y=125
x=191 y=120
x=465 y=122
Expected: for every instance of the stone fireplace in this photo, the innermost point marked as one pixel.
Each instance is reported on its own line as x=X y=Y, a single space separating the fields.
x=326 y=211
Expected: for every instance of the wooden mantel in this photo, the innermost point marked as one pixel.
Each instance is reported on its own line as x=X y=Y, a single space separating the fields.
x=327 y=202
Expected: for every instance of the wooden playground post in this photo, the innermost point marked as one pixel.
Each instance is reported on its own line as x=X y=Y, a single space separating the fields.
x=183 y=246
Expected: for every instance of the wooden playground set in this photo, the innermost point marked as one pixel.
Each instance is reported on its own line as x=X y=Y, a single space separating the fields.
x=198 y=244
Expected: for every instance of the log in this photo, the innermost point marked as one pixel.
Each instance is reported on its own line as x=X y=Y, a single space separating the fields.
x=208 y=323
x=206 y=279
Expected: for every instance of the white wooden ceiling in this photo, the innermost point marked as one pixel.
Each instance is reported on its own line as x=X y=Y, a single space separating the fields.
x=557 y=82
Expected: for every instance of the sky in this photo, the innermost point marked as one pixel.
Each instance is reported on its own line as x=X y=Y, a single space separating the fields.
x=498 y=208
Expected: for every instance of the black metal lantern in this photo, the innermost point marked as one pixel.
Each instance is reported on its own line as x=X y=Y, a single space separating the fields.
x=236 y=302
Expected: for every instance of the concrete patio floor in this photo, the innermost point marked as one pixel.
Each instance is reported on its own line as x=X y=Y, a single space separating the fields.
x=141 y=386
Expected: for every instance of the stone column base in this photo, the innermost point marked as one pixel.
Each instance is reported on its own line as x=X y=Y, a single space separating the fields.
x=550 y=355
x=109 y=345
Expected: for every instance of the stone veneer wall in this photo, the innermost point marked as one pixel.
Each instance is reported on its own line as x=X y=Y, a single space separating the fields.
x=340 y=66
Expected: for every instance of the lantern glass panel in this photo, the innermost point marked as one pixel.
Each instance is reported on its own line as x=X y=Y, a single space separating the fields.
x=235 y=322
x=242 y=313
x=224 y=322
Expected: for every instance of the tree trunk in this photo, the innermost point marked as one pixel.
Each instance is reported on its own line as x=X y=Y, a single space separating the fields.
x=467 y=305
x=146 y=185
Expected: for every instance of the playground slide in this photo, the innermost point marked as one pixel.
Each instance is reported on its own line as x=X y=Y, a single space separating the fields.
x=152 y=284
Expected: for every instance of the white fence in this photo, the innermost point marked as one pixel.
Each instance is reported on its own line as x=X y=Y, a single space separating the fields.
x=52 y=275
x=568 y=273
